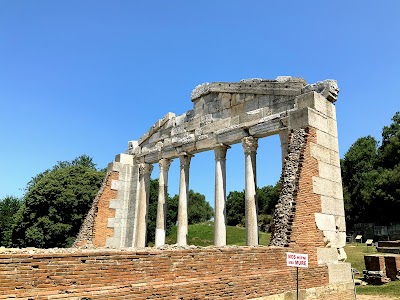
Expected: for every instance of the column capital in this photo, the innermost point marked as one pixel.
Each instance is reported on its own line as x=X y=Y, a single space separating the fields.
x=220 y=152
x=145 y=169
x=164 y=163
x=250 y=144
x=185 y=159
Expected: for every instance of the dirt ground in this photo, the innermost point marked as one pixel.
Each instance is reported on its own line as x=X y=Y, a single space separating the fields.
x=367 y=297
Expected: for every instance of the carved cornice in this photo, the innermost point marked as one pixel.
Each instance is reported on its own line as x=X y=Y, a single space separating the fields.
x=250 y=144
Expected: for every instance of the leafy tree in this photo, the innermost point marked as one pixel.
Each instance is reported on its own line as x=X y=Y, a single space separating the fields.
x=358 y=178
x=267 y=198
x=199 y=210
x=55 y=204
x=371 y=178
x=9 y=206
x=235 y=208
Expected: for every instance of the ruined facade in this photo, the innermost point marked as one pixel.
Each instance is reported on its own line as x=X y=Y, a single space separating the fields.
x=309 y=217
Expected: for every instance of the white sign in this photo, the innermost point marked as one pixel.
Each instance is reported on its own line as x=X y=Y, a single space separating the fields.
x=297 y=260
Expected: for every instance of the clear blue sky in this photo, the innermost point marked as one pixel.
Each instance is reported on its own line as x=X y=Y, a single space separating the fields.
x=85 y=77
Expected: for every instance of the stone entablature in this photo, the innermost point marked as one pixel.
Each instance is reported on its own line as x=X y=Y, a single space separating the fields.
x=223 y=113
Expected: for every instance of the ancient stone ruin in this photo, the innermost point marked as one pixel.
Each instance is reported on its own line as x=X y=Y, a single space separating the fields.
x=110 y=259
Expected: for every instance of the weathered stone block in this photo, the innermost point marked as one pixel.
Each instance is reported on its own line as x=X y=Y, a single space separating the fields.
x=231 y=136
x=317 y=102
x=328 y=141
x=332 y=206
x=207 y=143
x=324 y=154
x=329 y=171
x=115 y=184
x=252 y=116
x=335 y=239
x=124 y=159
x=327 y=187
x=265 y=129
x=339 y=272
x=251 y=105
x=325 y=222
x=327 y=255
x=237 y=110
x=340 y=223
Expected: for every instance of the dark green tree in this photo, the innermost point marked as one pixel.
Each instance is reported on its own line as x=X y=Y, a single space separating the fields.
x=371 y=178
x=267 y=198
x=55 y=204
x=235 y=208
x=358 y=176
x=9 y=206
x=199 y=210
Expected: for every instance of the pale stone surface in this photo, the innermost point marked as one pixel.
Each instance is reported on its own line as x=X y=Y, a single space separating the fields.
x=334 y=239
x=332 y=206
x=250 y=146
x=328 y=141
x=144 y=192
x=327 y=255
x=330 y=172
x=326 y=187
x=183 y=199
x=339 y=272
x=325 y=222
x=325 y=155
x=317 y=102
x=125 y=159
x=220 y=196
x=162 y=202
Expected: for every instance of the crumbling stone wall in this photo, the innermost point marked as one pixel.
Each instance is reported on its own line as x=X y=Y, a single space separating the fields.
x=285 y=209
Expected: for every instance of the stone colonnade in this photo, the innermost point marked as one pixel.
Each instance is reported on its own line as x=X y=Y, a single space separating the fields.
x=250 y=145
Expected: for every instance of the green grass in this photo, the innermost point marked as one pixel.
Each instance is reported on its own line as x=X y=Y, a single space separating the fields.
x=203 y=235
x=355 y=255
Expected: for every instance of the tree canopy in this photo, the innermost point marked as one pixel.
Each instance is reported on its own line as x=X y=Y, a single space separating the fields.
x=55 y=204
x=267 y=198
x=9 y=206
x=371 y=178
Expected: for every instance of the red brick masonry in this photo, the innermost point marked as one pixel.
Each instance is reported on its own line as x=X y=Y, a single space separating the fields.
x=208 y=273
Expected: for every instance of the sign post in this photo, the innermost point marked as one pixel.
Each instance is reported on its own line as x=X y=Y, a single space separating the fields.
x=297 y=260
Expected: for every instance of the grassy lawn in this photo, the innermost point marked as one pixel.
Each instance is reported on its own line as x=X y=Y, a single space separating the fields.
x=355 y=255
x=203 y=235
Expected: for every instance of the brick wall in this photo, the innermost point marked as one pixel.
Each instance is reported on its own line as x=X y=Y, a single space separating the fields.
x=211 y=273
x=103 y=212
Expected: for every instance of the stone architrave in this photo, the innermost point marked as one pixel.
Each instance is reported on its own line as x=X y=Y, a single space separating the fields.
x=183 y=199
x=220 y=196
x=164 y=164
x=144 y=193
x=250 y=145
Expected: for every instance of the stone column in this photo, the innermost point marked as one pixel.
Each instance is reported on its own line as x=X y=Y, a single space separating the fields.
x=250 y=145
x=162 y=201
x=183 y=200
x=284 y=137
x=220 y=196
x=144 y=193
